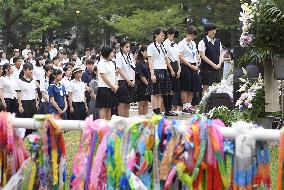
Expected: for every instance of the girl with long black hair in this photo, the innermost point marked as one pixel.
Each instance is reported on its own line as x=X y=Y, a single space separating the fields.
x=44 y=84
x=143 y=76
x=158 y=63
x=126 y=79
x=7 y=88
x=173 y=55
x=27 y=94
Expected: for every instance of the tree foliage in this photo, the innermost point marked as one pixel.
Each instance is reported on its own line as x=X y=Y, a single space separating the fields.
x=140 y=25
x=28 y=20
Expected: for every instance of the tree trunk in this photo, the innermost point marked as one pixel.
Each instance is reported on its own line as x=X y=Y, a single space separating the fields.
x=271 y=88
x=43 y=43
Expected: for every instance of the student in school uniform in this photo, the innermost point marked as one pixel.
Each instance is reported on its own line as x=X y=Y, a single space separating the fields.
x=75 y=57
x=67 y=77
x=143 y=76
x=66 y=82
x=7 y=88
x=56 y=64
x=87 y=54
x=3 y=59
x=77 y=99
x=16 y=54
x=46 y=55
x=210 y=51
x=44 y=84
x=65 y=59
x=30 y=59
x=27 y=94
x=106 y=96
x=190 y=79
x=87 y=76
x=93 y=110
x=25 y=51
x=126 y=79
x=173 y=55
x=52 y=50
x=38 y=74
x=159 y=63
x=17 y=67
x=57 y=95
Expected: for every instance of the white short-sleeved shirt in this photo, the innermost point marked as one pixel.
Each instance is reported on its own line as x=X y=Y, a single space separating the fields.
x=78 y=62
x=33 y=62
x=202 y=47
x=107 y=68
x=25 y=53
x=189 y=50
x=172 y=50
x=43 y=86
x=27 y=88
x=38 y=73
x=64 y=61
x=17 y=72
x=12 y=61
x=78 y=89
x=66 y=83
x=3 y=61
x=159 y=57
x=53 y=53
x=8 y=86
x=123 y=62
x=57 y=67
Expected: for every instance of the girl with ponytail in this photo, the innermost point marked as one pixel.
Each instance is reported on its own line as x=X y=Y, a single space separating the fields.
x=126 y=79
x=159 y=64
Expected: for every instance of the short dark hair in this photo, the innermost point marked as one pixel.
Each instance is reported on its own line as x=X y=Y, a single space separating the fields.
x=106 y=51
x=15 y=59
x=4 y=67
x=87 y=49
x=26 y=66
x=37 y=61
x=90 y=62
x=56 y=72
x=173 y=31
x=192 y=30
x=55 y=58
x=141 y=49
x=66 y=68
x=209 y=27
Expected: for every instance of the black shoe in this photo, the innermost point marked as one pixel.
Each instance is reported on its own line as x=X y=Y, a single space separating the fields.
x=168 y=114
x=174 y=114
x=186 y=111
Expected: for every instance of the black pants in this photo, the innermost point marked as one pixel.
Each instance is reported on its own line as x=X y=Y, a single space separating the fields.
x=80 y=112
x=11 y=105
x=29 y=111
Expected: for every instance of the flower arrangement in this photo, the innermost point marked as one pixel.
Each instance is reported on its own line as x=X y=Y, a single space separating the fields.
x=262 y=30
x=226 y=115
x=246 y=17
x=252 y=101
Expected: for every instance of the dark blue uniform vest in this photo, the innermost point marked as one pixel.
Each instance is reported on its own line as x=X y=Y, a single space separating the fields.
x=212 y=52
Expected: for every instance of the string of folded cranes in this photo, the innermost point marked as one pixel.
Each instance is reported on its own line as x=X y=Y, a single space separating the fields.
x=153 y=153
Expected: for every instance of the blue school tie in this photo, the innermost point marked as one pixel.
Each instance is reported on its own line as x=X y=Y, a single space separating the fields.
x=191 y=48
